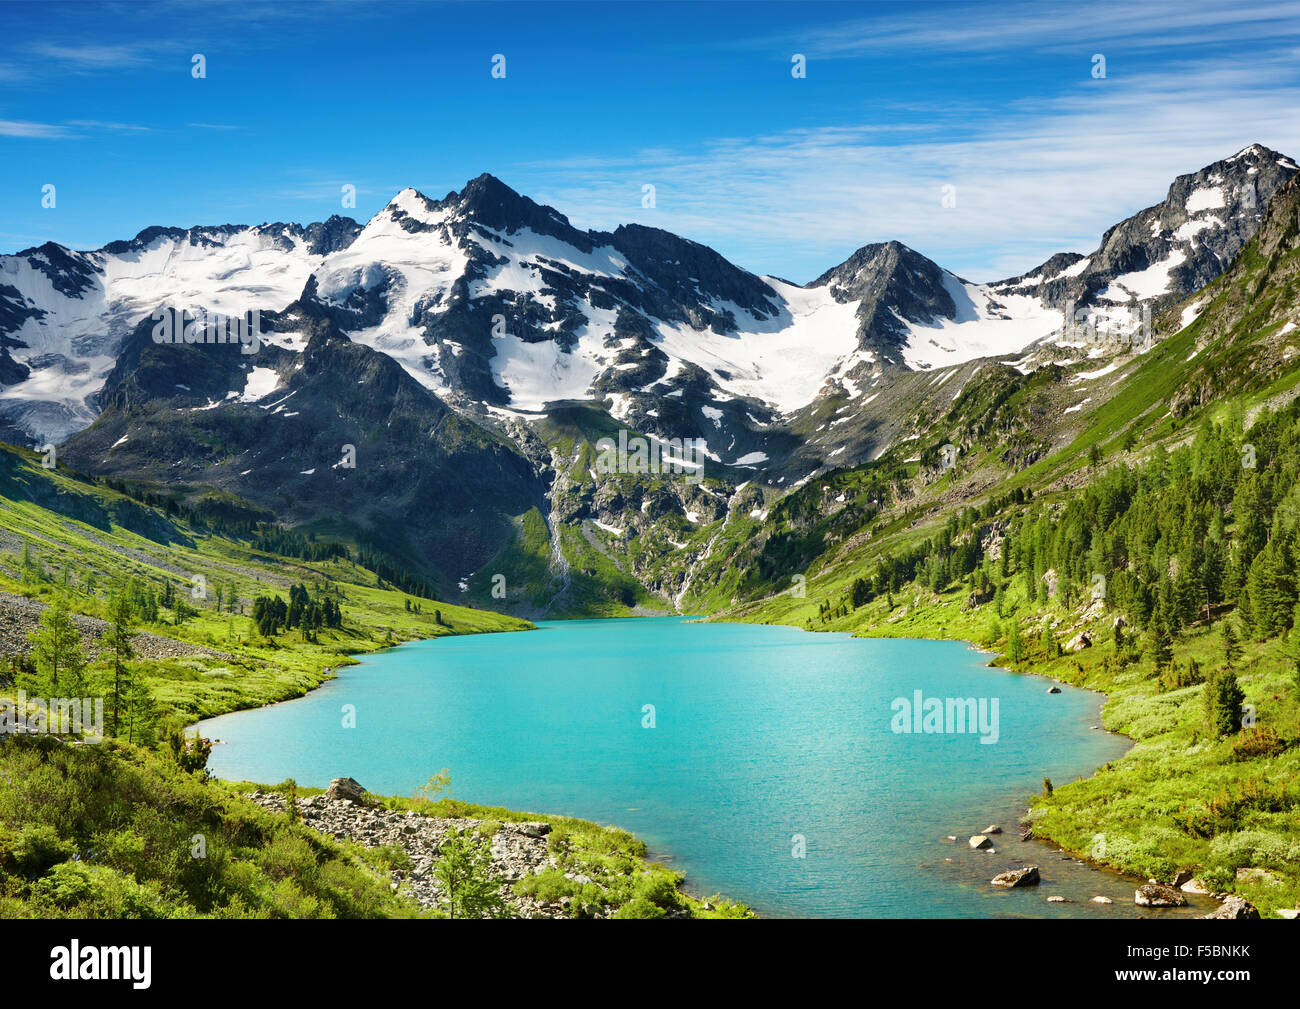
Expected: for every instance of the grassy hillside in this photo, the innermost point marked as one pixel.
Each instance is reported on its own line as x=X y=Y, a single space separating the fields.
x=79 y=541
x=116 y=831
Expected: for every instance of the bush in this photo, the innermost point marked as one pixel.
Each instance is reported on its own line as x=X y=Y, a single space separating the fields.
x=660 y=888
x=1258 y=742
x=38 y=849
x=639 y=907
x=95 y=891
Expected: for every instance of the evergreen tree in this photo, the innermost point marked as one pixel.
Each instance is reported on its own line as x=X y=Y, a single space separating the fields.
x=1231 y=648
x=1015 y=647
x=1160 y=646
x=57 y=655
x=118 y=641
x=465 y=872
x=139 y=712
x=1223 y=698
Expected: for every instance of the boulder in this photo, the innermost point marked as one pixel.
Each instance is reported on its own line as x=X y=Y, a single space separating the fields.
x=1102 y=900
x=1195 y=886
x=1181 y=877
x=1079 y=642
x=1059 y=900
x=1234 y=907
x=992 y=829
x=980 y=841
x=1025 y=876
x=533 y=829
x=1289 y=912
x=1157 y=895
x=346 y=788
x=1053 y=689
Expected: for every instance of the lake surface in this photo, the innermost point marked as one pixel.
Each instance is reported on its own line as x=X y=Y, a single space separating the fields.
x=761 y=736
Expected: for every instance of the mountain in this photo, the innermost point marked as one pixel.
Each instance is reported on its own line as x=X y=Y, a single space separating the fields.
x=274 y=433
x=474 y=349
x=1167 y=251
x=64 y=315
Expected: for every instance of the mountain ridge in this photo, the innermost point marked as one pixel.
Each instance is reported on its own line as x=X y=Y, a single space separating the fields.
x=513 y=343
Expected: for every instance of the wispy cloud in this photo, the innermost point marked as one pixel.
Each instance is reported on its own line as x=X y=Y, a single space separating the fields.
x=73 y=129
x=40 y=131
x=1056 y=27
x=99 y=124
x=96 y=57
x=1042 y=176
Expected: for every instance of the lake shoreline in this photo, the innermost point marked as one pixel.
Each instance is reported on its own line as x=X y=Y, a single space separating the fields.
x=669 y=852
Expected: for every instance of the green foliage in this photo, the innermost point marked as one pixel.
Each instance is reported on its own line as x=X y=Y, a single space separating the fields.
x=1222 y=700
x=1178 y=675
x=109 y=831
x=190 y=753
x=1015 y=647
x=56 y=651
x=437 y=787
x=464 y=869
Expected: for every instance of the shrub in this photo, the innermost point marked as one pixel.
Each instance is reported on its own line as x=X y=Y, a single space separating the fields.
x=96 y=891
x=39 y=848
x=639 y=907
x=1260 y=741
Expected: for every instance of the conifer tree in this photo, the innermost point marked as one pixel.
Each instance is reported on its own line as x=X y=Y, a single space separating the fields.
x=56 y=652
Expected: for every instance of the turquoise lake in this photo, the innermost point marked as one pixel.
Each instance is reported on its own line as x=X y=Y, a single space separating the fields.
x=760 y=734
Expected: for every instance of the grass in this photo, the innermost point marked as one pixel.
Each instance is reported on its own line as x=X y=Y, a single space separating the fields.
x=78 y=549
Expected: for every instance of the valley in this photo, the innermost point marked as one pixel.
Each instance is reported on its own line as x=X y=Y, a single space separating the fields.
x=889 y=451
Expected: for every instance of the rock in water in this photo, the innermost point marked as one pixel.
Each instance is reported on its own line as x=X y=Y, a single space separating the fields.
x=980 y=841
x=1102 y=900
x=1156 y=895
x=1234 y=907
x=346 y=788
x=1053 y=690
x=1027 y=876
x=992 y=829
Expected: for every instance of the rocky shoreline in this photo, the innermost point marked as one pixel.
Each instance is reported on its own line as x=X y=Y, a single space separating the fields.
x=518 y=849
x=1151 y=894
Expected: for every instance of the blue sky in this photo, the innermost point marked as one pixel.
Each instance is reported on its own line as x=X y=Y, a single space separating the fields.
x=782 y=175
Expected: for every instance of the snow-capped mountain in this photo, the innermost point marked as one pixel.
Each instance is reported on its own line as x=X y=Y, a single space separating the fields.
x=64 y=315
x=467 y=353
x=500 y=307
x=1163 y=253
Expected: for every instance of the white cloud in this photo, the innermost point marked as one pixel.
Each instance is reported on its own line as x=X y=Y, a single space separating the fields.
x=1057 y=27
x=40 y=131
x=1043 y=176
